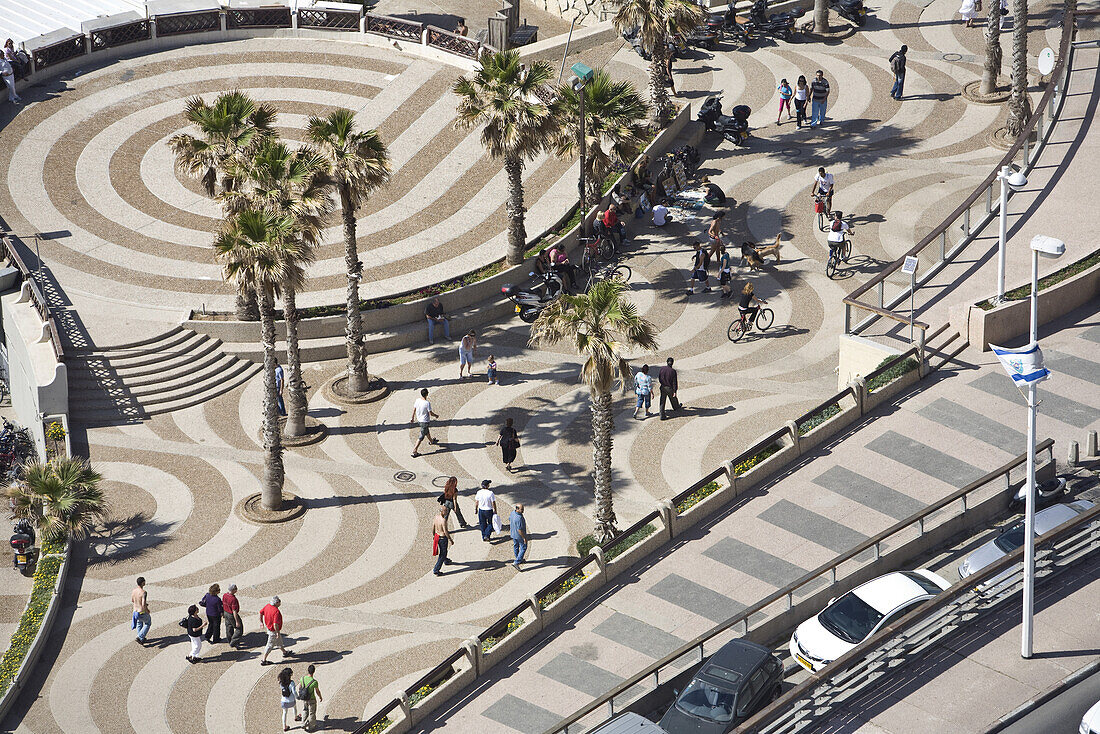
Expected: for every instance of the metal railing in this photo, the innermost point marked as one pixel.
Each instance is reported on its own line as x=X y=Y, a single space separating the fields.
x=38 y=300
x=120 y=35
x=960 y=227
x=337 y=20
x=399 y=28
x=456 y=44
x=55 y=53
x=179 y=24
x=926 y=626
x=258 y=18
x=841 y=569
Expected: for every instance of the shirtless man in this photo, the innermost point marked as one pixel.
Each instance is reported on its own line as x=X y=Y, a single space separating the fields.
x=439 y=529
x=141 y=620
x=466 y=352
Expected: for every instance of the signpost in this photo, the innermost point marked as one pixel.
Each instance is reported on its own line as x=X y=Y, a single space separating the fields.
x=910 y=267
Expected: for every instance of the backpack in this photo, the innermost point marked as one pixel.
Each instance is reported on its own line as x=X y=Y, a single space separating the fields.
x=837 y=225
x=305 y=693
x=183 y=623
x=897 y=63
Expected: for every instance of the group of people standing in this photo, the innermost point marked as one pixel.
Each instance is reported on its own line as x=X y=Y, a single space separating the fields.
x=485 y=505
x=815 y=93
x=668 y=383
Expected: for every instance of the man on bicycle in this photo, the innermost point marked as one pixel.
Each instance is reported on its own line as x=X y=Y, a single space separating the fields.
x=838 y=230
x=824 y=185
x=744 y=306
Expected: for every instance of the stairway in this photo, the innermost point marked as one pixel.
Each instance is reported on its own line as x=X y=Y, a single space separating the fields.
x=942 y=346
x=130 y=382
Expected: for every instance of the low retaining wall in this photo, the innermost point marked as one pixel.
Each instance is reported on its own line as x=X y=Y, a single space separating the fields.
x=1012 y=320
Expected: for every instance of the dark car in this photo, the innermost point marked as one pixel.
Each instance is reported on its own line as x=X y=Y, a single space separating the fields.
x=737 y=681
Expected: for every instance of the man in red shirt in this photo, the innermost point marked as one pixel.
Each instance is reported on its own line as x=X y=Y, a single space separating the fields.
x=231 y=614
x=613 y=225
x=273 y=623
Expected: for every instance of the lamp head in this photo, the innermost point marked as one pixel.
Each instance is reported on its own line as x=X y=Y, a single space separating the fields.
x=1048 y=246
x=583 y=72
x=1016 y=180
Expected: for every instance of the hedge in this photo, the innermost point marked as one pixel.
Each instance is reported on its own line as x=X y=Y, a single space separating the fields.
x=513 y=624
x=45 y=578
x=752 y=461
x=588 y=542
x=554 y=594
x=1024 y=291
x=907 y=365
x=818 y=418
x=696 y=497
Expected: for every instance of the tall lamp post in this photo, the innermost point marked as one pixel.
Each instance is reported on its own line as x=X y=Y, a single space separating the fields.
x=1014 y=180
x=1052 y=248
x=582 y=74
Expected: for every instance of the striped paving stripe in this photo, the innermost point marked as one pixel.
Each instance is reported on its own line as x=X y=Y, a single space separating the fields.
x=954 y=416
x=1093 y=334
x=1082 y=369
x=868 y=492
x=580 y=675
x=814 y=527
x=637 y=635
x=754 y=562
x=925 y=459
x=695 y=598
x=517 y=714
x=1052 y=405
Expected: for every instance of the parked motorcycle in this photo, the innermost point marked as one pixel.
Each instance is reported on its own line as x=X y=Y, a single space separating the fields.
x=727 y=26
x=703 y=37
x=530 y=303
x=734 y=126
x=1047 y=493
x=22 y=541
x=852 y=10
x=779 y=25
x=676 y=50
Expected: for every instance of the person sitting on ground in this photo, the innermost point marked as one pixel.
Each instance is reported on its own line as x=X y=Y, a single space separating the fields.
x=660 y=215
x=754 y=255
x=712 y=193
x=641 y=172
x=614 y=226
x=435 y=316
x=623 y=197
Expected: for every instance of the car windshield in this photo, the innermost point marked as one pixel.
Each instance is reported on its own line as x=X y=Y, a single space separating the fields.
x=1011 y=539
x=922 y=582
x=707 y=701
x=850 y=618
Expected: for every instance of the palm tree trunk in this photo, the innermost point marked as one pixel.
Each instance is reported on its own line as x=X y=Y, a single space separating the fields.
x=358 y=379
x=1019 y=104
x=297 y=403
x=273 y=446
x=993 y=53
x=246 y=307
x=821 y=15
x=594 y=184
x=658 y=87
x=603 y=426
x=517 y=234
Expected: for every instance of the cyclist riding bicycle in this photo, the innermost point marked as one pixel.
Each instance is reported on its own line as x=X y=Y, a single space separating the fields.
x=824 y=186
x=838 y=230
x=745 y=308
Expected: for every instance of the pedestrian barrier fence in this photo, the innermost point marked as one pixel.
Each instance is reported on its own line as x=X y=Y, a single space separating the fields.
x=38 y=300
x=961 y=226
x=974 y=506
x=972 y=598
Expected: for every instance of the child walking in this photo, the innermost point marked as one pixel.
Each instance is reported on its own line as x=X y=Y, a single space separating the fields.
x=785 y=94
x=491 y=370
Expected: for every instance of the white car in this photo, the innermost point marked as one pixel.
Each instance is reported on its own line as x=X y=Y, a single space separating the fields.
x=1013 y=537
x=860 y=613
x=1090 y=724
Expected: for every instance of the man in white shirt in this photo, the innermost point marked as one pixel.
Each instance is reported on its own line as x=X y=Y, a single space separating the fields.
x=660 y=215
x=422 y=414
x=838 y=229
x=824 y=184
x=486 y=508
x=8 y=74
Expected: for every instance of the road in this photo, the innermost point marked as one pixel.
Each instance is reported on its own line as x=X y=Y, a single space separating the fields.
x=1062 y=713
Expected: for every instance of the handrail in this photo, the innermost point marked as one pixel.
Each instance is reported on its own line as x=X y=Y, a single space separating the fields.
x=1059 y=79
x=788 y=592
x=714 y=475
x=504 y=620
x=38 y=299
x=908 y=353
x=434 y=674
x=969 y=585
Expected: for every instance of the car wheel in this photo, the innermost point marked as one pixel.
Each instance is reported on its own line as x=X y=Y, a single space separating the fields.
x=778 y=691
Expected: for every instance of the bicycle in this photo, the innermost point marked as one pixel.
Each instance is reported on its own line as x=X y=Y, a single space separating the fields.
x=609 y=271
x=764 y=319
x=821 y=208
x=839 y=252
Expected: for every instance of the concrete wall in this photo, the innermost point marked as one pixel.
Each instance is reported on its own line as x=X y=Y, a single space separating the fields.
x=859 y=356
x=1012 y=321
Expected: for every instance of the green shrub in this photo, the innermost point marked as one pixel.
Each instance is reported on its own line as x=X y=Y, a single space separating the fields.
x=586 y=544
x=749 y=463
x=45 y=577
x=1024 y=291
x=513 y=624
x=696 y=497
x=878 y=381
x=818 y=418
x=559 y=591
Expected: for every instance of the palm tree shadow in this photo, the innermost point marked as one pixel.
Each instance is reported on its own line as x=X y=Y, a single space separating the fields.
x=121 y=539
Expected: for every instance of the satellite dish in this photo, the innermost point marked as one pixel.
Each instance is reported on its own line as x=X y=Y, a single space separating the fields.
x=1046 y=61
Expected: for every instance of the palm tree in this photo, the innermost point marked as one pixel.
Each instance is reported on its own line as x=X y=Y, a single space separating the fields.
x=504 y=96
x=256 y=248
x=359 y=163
x=993 y=52
x=1019 y=104
x=600 y=325
x=821 y=15
x=294 y=182
x=62 y=498
x=231 y=130
x=658 y=21
x=613 y=115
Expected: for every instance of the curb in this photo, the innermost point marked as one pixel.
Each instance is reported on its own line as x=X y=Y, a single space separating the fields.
x=1027 y=707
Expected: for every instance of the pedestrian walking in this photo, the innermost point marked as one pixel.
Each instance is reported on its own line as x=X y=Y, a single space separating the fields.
x=231 y=614
x=517 y=528
x=508 y=442
x=288 y=700
x=643 y=388
x=140 y=620
x=699 y=263
x=725 y=272
x=8 y=74
x=668 y=73
x=801 y=95
x=422 y=415
x=441 y=540
x=819 y=99
x=272 y=620
x=449 y=499
x=670 y=385
x=897 y=65
x=714 y=232
x=309 y=691
x=785 y=94
x=280 y=383
x=212 y=601
x=193 y=624
x=970 y=10
x=467 y=350
x=491 y=370
x=486 y=507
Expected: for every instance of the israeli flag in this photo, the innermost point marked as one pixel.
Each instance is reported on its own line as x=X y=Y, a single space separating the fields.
x=1024 y=365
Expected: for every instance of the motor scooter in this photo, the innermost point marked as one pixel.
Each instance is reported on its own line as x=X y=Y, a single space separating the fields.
x=530 y=302
x=728 y=26
x=1047 y=493
x=852 y=10
x=780 y=25
x=734 y=126
x=22 y=541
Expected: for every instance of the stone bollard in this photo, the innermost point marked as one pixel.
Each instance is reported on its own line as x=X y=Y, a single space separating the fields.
x=1074 y=454
x=473 y=654
x=1091 y=445
x=668 y=516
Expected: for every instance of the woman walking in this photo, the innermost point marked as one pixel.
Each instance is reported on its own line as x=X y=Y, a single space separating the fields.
x=508 y=442
x=193 y=624
x=801 y=94
x=289 y=699
x=449 y=499
x=213 y=604
x=643 y=388
x=785 y=94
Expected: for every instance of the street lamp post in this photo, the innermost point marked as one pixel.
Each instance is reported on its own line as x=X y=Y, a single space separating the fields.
x=1014 y=180
x=582 y=75
x=1052 y=248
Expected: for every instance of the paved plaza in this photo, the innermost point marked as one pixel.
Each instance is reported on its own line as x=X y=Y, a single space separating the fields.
x=88 y=157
